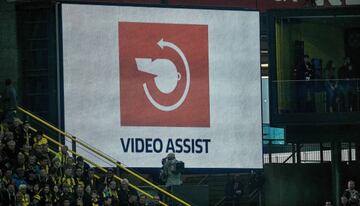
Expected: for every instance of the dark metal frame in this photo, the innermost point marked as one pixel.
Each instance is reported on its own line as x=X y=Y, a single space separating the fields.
x=297 y=119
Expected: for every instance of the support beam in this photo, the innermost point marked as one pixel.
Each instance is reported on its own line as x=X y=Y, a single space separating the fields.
x=298 y=153
x=336 y=172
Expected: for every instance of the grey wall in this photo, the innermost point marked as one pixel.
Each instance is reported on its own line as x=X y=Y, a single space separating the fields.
x=9 y=67
x=297 y=185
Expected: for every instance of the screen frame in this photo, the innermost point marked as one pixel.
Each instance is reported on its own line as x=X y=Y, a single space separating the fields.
x=148 y=170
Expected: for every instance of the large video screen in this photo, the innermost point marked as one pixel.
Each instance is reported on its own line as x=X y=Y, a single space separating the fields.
x=142 y=82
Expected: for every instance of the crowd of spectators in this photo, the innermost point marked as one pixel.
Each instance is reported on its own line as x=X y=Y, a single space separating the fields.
x=33 y=174
x=340 y=85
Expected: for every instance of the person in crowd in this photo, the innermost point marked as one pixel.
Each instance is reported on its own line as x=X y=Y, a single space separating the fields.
x=63 y=155
x=234 y=189
x=133 y=200
x=331 y=87
x=112 y=191
x=95 y=199
x=9 y=195
x=142 y=200
x=108 y=201
x=36 y=200
x=7 y=179
x=25 y=196
x=16 y=128
x=26 y=133
x=66 y=193
x=32 y=164
x=39 y=138
x=56 y=196
x=170 y=173
x=46 y=195
x=155 y=201
x=19 y=177
x=26 y=148
x=31 y=179
x=79 y=177
x=81 y=164
x=125 y=192
x=91 y=180
x=44 y=178
x=351 y=196
x=304 y=76
x=68 y=178
x=108 y=177
x=57 y=168
x=11 y=152
x=81 y=196
x=346 y=85
x=9 y=101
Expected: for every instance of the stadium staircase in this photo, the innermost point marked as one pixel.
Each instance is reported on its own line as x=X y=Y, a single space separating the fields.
x=133 y=175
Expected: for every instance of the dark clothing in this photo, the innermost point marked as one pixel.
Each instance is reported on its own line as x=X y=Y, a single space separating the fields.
x=10 y=99
x=352 y=196
x=8 y=199
x=305 y=71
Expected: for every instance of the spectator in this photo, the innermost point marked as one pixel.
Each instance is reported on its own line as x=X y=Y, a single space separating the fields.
x=95 y=199
x=9 y=195
x=91 y=180
x=27 y=135
x=155 y=201
x=25 y=196
x=68 y=178
x=79 y=177
x=142 y=200
x=10 y=101
x=56 y=195
x=81 y=164
x=328 y=203
x=305 y=94
x=170 y=173
x=331 y=86
x=346 y=74
x=63 y=155
x=19 y=177
x=112 y=192
x=39 y=138
x=7 y=179
x=67 y=194
x=234 y=189
x=351 y=196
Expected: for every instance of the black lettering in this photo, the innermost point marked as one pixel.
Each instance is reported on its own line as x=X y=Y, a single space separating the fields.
x=148 y=145
x=125 y=148
x=192 y=145
x=138 y=148
x=170 y=146
x=178 y=145
x=198 y=145
x=158 y=142
x=206 y=145
x=186 y=145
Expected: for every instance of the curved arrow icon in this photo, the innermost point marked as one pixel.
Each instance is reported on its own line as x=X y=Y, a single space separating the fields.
x=166 y=75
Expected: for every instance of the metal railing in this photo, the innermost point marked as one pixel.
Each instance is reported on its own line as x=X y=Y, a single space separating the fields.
x=96 y=165
x=318 y=95
x=304 y=153
x=102 y=155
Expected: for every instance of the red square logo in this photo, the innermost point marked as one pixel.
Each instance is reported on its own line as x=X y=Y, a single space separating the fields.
x=164 y=75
